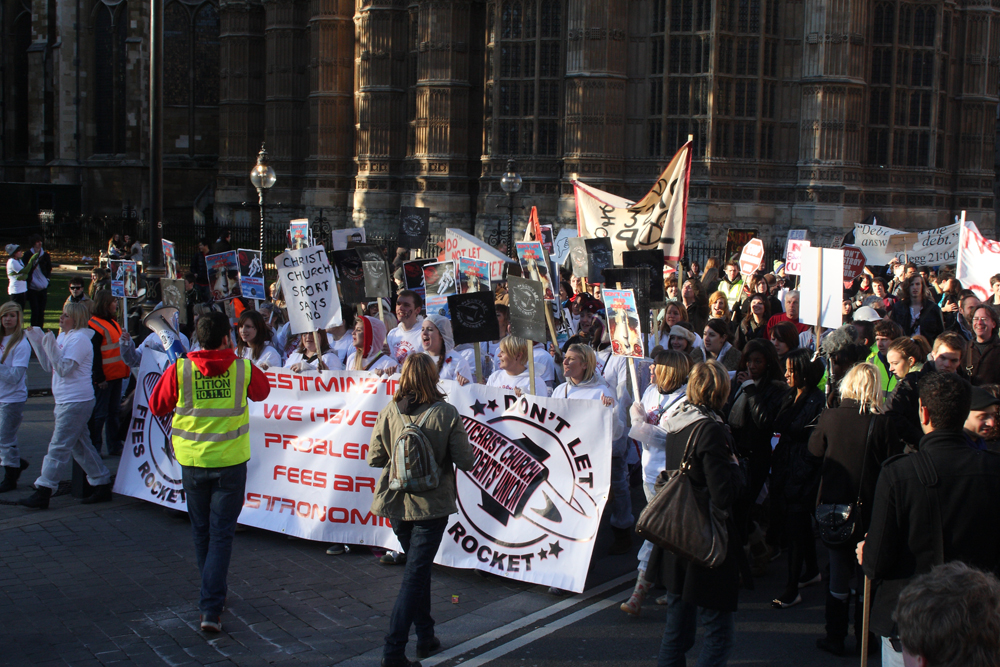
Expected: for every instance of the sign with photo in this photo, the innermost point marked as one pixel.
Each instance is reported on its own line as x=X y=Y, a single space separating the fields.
x=414 y=225
x=623 y=323
x=638 y=281
x=474 y=275
x=527 y=308
x=251 y=274
x=473 y=317
x=298 y=232
x=413 y=274
x=532 y=258
x=170 y=260
x=117 y=271
x=440 y=282
x=223 y=275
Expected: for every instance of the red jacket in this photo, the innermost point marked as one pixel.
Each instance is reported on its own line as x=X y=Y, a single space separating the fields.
x=210 y=363
x=782 y=317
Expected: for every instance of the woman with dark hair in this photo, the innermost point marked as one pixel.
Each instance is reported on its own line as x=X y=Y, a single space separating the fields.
x=755 y=405
x=950 y=302
x=794 y=477
x=697 y=434
x=754 y=322
x=784 y=338
x=418 y=519
x=915 y=311
x=109 y=372
x=862 y=289
x=906 y=359
x=709 y=281
x=253 y=340
x=719 y=344
x=696 y=302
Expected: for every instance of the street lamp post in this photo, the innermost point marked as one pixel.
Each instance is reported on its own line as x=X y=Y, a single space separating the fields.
x=262 y=177
x=511 y=184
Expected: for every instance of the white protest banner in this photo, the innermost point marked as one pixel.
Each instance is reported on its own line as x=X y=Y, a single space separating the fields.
x=561 y=248
x=793 y=256
x=822 y=283
x=978 y=260
x=931 y=247
x=529 y=509
x=310 y=289
x=459 y=244
x=657 y=221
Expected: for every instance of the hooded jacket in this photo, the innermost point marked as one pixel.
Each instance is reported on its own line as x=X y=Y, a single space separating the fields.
x=374 y=340
x=594 y=389
x=209 y=363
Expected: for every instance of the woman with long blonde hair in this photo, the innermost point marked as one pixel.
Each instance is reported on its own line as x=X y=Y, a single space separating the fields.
x=15 y=353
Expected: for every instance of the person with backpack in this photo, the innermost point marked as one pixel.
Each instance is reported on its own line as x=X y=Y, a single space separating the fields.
x=418 y=426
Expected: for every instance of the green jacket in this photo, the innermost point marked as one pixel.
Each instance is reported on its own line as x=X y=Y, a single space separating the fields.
x=446 y=433
x=888 y=379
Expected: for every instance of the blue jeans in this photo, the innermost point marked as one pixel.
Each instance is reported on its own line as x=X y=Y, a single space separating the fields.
x=214 y=502
x=679 y=635
x=420 y=540
x=71 y=439
x=105 y=417
x=621 y=501
x=10 y=420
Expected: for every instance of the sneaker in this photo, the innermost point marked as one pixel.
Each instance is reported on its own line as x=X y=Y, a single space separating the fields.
x=394 y=558
x=211 y=624
x=809 y=581
x=778 y=603
x=336 y=550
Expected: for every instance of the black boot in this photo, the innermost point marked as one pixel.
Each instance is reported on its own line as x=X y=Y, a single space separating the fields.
x=101 y=494
x=11 y=474
x=837 y=618
x=622 y=543
x=38 y=500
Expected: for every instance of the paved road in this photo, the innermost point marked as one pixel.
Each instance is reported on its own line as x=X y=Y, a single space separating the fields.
x=117 y=585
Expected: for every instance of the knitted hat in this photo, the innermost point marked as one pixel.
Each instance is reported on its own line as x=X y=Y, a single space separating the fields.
x=681 y=332
x=443 y=325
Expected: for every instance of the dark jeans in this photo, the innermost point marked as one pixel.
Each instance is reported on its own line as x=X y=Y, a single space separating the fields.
x=37 y=299
x=679 y=635
x=107 y=407
x=214 y=501
x=420 y=540
x=802 y=555
x=20 y=299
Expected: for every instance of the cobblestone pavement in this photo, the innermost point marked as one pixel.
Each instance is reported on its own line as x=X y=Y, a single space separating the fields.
x=117 y=584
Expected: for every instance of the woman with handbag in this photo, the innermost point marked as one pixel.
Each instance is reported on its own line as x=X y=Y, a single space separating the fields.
x=699 y=445
x=418 y=519
x=853 y=440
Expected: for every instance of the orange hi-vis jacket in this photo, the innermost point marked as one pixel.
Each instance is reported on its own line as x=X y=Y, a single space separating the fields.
x=111 y=359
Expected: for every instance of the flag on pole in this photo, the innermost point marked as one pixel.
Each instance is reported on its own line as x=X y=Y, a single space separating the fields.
x=978 y=260
x=657 y=221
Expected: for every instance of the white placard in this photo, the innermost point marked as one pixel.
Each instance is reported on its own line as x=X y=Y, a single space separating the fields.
x=459 y=244
x=793 y=256
x=310 y=289
x=830 y=284
x=340 y=237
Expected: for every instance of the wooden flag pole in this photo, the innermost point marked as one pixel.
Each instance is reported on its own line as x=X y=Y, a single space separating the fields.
x=381 y=312
x=552 y=326
x=866 y=619
x=635 y=379
x=319 y=352
x=819 y=299
x=479 y=363
x=531 y=365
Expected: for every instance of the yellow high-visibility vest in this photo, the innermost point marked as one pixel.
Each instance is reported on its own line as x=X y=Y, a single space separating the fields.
x=889 y=380
x=211 y=425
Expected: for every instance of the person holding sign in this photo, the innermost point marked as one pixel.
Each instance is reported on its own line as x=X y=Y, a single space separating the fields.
x=254 y=341
x=307 y=358
x=368 y=338
x=207 y=394
x=439 y=344
x=418 y=519
x=512 y=359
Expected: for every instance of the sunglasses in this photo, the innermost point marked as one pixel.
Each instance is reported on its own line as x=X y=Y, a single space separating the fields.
x=76 y=287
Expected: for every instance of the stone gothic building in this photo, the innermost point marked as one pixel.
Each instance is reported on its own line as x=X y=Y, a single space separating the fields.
x=803 y=113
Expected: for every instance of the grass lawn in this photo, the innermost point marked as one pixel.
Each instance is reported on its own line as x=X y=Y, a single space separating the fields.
x=58 y=291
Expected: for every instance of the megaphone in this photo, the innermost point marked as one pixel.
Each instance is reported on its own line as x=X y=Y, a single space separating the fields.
x=163 y=322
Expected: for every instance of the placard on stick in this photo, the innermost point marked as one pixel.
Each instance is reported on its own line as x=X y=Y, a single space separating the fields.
x=352 y=276
x=600 y=256
x=307 y=281
x=623 y=322
x=638 y=281
x=173 y=296
x=414 y=223
x=652 y=260
x=376 y=279
x=223 y=275
x=527 y=308
x=577 y=251
x=821 y=287
x=251 y=274
x=473 y=317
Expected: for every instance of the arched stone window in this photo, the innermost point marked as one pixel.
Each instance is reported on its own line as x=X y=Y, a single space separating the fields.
x=110 y=74
x=191 y=77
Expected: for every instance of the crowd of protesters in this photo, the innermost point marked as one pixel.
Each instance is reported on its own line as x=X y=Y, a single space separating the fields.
x=777 y=416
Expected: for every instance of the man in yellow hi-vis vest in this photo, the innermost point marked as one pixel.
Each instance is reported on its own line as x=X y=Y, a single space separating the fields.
x=207 y=393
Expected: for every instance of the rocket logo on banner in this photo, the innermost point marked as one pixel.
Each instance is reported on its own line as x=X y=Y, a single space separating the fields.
x=656 y=221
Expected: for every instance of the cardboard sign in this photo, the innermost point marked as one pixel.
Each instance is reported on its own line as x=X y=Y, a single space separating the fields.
x=342 y=237
x=460 y=244
x=473 y=317
x=623 y=323
x=440 y=282
x=351 y=271
x=532 y=257
x=822 y=292
x=576 y=248
x=413 y=274
x=854 y=263
x=298 y=233
x=174 y=297
x=561 y=246
x=927 y=248
x=223 y=275
x=251 y=274
x=117 y=272
x=527 y=308
x=638 y=281
x=793 y=257
x=376 y=279
x=900 y=243
x=599 y=257
x=308 y=283
x=170 y=260
x=798 y=234
x=752 y=257
x=473 y=275
x=652 y=260
x=735 y=240
x=414 y=224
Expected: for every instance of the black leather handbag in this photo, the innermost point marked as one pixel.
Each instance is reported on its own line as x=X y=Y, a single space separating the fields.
x=838 y=523
x=682 y=519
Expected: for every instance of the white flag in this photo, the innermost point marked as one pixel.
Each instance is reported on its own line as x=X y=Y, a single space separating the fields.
x=656 y=221
x=978 y=260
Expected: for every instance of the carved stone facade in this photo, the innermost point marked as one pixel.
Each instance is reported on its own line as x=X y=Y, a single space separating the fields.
x=804 y=113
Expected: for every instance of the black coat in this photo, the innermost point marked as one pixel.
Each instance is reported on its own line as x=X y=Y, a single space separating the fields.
x=840 y=441
x=984 y=366
x=753 y=437
x=794 y=474
x=747 y=332
x=901 y=407
x=931 y=322
x=199 y=268
x=903 y=540
x=716 y=588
